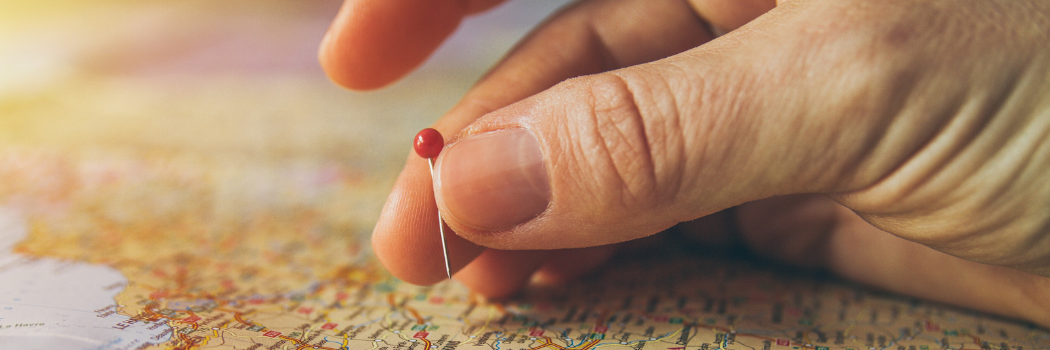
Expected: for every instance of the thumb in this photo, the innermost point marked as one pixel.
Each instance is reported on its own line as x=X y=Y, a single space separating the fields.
x=611 y=157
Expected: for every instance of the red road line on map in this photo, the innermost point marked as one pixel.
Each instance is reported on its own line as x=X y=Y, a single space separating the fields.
x=193 y=324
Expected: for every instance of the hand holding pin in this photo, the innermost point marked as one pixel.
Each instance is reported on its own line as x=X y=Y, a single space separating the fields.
x=428 y=144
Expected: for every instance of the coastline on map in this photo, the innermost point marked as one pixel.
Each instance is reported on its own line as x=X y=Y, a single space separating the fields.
x=46 y=303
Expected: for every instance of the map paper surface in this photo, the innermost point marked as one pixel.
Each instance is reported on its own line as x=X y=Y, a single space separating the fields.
x=155 y=253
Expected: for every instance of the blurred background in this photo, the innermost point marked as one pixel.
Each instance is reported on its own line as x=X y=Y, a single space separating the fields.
x=234 y=76
x=232 y=81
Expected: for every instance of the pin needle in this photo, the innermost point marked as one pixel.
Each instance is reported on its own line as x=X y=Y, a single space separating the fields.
x=428 y=145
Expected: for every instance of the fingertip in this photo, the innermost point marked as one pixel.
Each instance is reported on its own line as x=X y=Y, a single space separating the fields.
x=401 y=255
x=373 y=43
x=566 y=265
x=498 y=274
x=406 y=239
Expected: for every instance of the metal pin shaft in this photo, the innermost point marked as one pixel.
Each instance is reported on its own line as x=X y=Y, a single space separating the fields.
x=441 y=226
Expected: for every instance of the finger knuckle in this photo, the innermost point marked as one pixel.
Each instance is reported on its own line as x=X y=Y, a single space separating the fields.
x=616 y=143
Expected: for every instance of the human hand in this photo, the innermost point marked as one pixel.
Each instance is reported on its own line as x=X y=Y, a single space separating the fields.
x=827 y=122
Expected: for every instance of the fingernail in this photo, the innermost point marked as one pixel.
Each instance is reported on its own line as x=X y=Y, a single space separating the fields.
x=494 y=181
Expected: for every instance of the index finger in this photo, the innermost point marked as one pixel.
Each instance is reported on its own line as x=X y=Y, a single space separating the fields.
x=372 y=43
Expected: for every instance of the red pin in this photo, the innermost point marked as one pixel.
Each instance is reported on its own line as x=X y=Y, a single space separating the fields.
x=428 y=145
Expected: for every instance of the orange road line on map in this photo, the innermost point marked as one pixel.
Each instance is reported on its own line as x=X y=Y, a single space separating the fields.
x=240 y=319
x=589 y=345
x=585 y=346
x=976 y=340
x=193 y=324
x=296 y=341
x=541 y=346
x=499 y=306
x=547 y=342
x=415 y=313
x=149 y=310
x=189 y=343
x=237 y=315
x=419 y=319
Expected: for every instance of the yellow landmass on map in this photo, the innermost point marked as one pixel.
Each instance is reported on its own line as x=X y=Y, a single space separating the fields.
x=221 y=254
x=192 y=232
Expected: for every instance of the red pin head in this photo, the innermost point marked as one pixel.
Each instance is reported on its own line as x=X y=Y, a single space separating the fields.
x=428 y=143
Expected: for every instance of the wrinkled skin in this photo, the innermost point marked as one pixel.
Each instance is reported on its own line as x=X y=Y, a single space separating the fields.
x=903 y=143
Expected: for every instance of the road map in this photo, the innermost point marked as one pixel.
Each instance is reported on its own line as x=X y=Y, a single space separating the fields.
x=107 y=251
